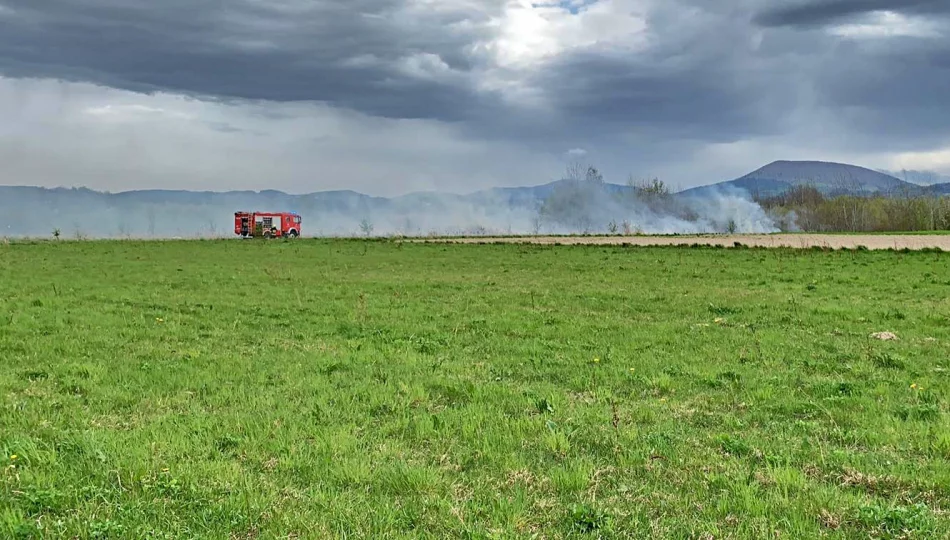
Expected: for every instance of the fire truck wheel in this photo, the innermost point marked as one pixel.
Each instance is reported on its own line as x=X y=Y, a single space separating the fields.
x=293 y=233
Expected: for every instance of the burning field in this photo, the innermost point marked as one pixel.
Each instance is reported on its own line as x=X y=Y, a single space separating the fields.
x=804 y=241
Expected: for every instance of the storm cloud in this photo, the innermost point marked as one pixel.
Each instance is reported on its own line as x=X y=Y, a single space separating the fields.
x=370 y=55
x=829 y=11
x=393 y=95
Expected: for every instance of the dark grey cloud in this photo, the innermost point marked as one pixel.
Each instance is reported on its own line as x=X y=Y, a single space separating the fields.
x=717 y=100
x=345 y=53
x=883 y=92
x=349 y=54
x=819 y=12
x=703 y=72
x=893 y=96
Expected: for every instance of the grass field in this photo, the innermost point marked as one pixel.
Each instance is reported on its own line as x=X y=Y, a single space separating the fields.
x=318 y=388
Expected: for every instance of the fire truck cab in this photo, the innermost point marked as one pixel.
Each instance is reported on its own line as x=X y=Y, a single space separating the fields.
x=266 y=224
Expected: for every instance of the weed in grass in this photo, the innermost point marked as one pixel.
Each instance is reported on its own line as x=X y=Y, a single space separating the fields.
x=894 y=521
x=886 y=360
x=588 y=519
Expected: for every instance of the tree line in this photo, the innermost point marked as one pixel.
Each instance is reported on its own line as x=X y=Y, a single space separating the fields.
x=806 y=208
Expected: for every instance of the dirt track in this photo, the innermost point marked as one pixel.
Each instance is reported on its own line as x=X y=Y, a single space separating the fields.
x=835 y=241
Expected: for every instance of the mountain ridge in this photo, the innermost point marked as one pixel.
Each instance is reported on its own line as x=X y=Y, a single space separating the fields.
x=177 y=211
x=827 y=176
x=830 y=178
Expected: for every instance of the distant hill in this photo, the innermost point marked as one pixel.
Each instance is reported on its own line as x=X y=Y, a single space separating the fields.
x=828 y=177
x=940 y=189
x=156 y=212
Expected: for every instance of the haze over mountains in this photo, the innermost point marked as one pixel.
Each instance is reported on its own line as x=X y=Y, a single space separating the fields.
x=828 y=177
x=35 y=211
x=924 y=178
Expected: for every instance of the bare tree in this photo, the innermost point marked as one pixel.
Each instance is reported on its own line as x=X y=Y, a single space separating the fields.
x=852 y=214
x=572 y=204
x=536 y=224
x=366 y=227
x=575 y=171
x=150 y=215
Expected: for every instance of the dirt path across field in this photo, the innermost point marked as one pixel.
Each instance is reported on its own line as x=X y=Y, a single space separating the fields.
x=836 y=241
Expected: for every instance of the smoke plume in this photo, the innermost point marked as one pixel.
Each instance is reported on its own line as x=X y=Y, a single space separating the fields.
x=571 y=206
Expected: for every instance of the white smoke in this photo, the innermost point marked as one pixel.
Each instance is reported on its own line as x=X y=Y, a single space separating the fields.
x=591 y=209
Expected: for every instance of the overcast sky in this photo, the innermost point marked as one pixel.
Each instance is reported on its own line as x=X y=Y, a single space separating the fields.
x=390 y=96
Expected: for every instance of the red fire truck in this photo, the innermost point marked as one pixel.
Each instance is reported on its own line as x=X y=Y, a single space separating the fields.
x=266 y=224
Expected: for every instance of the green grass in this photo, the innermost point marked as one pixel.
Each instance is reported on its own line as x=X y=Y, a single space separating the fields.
x=216 y=389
